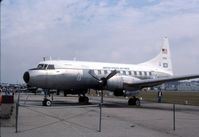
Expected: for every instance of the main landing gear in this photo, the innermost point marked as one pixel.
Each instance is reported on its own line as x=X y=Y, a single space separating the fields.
x=83 y=100
x=134 y=101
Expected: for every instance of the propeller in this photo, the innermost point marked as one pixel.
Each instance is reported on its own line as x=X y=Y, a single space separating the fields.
x=102 y=84
x=102 y=81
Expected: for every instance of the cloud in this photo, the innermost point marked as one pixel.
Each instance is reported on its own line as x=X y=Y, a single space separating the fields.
x=119 y=31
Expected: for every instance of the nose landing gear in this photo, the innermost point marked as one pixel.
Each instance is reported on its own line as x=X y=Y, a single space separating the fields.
x=46 y=102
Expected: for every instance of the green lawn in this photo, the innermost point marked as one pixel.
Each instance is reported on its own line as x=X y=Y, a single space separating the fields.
x=192 y=98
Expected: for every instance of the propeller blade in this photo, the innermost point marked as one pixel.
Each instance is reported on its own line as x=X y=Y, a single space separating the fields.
x=92 y=73
x=113 y=73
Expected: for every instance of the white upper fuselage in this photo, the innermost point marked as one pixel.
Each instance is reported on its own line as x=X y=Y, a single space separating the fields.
x=105 y=68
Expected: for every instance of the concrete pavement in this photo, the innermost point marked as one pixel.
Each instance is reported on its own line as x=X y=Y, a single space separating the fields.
x=66 y=118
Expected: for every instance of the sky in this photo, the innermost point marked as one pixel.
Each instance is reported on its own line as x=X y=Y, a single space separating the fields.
x=118 y=31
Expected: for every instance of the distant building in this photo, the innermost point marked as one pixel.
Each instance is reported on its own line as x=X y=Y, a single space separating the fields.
x=182 y=86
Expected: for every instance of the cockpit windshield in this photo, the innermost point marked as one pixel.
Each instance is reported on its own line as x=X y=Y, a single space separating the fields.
x=45 y=66
x=41 y=66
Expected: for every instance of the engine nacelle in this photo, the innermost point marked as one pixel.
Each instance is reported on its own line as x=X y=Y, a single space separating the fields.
x=116 y=83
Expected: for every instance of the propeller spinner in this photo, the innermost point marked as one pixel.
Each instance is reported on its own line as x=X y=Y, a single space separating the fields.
x=102 y=81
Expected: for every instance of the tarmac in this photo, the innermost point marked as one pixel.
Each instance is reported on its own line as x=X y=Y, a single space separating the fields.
x=67 y=118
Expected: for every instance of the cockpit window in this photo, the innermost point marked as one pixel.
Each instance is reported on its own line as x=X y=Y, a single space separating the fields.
x=45 y=66
x=40 y=66
x=51 y=67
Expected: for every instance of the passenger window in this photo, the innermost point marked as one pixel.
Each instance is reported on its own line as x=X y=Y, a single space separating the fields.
x=145 y=73
x=124 y=72
x=140 y=73
x=129 y=72
x=135 y=73
x=99 y=72
x=105 y=72
x=51 y=67
x=150 y=73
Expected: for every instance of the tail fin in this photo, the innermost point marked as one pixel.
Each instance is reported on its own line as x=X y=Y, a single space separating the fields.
x=163 y=59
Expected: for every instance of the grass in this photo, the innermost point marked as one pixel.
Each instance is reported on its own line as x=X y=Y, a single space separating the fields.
x=177 y=97
x=191 y=98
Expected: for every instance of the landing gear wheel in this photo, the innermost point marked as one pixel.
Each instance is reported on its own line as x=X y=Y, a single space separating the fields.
x=58 y=92
x=86 y=100
x=65 y=93
x=131 y=102
x=137 y=103
x=134 y=101
x=80 y=99
x=83 y=100
x=46 y=102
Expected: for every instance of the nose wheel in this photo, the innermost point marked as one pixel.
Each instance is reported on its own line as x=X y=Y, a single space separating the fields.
x=46 y=102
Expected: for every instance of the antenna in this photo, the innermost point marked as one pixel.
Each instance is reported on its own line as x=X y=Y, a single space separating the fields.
x=44 y=58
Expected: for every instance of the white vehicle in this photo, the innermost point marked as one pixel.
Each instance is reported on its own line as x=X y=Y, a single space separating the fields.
x=76 y=77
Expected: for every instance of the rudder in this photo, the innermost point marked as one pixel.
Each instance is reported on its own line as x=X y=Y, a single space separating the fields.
x=163 y=59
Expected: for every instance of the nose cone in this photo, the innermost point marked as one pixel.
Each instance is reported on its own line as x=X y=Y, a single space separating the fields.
x=26 y=77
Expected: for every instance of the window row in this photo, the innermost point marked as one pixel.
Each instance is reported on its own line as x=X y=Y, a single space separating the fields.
x=123 y=72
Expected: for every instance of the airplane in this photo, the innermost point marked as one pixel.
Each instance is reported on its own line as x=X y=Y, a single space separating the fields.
x=77 y=77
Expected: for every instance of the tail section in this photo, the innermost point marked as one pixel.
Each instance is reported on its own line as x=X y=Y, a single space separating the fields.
x=163 y=59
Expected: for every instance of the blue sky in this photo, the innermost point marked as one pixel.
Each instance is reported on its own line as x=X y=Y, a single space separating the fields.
x=118 y=31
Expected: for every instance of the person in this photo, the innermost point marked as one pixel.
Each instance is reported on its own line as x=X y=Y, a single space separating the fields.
x=159 y=96
x=14 y=91
x=0 y=90
x=0 y=94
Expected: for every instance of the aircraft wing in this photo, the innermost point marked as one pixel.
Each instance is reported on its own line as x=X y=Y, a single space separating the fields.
x=154 y=82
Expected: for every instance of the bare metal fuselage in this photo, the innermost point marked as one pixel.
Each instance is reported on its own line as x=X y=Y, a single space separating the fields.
x=62 y=79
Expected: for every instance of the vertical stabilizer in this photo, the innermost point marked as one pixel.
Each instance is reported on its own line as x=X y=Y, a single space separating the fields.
x=163 y=59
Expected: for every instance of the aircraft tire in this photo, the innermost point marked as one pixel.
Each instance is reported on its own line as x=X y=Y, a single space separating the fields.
x=65 y=93
x=137 y=103
x=83 y=100
x=131 y=102
x=134 y=102
x=86 y=100
x=80 y=99
x=58 y=92
x=46 y=102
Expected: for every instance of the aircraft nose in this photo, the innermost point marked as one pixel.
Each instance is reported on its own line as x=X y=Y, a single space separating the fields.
x=26 y=77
